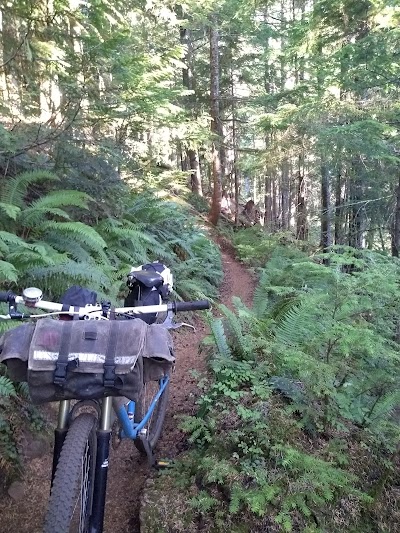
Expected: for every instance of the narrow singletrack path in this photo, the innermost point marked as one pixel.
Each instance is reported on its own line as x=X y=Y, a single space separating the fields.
x=128 y=471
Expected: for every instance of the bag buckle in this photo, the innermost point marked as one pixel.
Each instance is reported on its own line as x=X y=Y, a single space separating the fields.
x=109 y=375
x=60 y=373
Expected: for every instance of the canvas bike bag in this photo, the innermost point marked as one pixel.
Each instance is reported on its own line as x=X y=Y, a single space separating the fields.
x=87 y=359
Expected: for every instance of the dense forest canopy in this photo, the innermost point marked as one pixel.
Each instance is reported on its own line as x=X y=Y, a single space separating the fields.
x=293 y=104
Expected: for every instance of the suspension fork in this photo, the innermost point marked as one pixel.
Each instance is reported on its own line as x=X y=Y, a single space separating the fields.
x=100 y=478
x=60 y=433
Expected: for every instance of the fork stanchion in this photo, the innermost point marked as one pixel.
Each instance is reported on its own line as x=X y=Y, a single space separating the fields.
x=59 y=438
x=100 y=481
x=102 y=460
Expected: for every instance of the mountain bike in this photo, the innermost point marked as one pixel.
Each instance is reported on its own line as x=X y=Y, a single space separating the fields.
x=85 y=426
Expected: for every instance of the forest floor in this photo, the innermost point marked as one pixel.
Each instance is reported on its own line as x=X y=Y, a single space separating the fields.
x=128 y=470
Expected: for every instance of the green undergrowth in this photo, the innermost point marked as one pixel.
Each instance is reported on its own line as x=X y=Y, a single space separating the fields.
x=297 y=427
x=17 y=418
x=52 y=238
x=254 y=249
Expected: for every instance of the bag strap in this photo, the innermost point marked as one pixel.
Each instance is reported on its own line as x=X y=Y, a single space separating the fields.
x=109 y=363
x=60 y=372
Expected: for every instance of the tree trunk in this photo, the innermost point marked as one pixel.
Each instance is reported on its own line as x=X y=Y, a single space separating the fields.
x=285 y=195
x=356 y=213
x=325 y=212
x=275 y=206
x=236 y=171
x=396 y=225
x=216 y=128
x=195 y=176
x=192 y=155
x=301 y=213
x=268 y=217
x=358 y=220
x=339 y=218
x=3 y=84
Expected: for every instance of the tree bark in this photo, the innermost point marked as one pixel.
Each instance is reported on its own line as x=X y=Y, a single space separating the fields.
x=195 y=176
x=216 y=128
x=268 y=217
x=356 y=214
x=275 y=204
x=325 y=213
x=396 y=225
x=285 y=195
x=301 y=232
x=192 y=155
x=236 y=172
x=339 y=218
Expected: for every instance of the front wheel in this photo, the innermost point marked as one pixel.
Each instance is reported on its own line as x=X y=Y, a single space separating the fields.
x=154 y=426
x=72 y=492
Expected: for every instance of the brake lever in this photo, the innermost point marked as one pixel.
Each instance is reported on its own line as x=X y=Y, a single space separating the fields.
x=176 y=325
x=170 y=324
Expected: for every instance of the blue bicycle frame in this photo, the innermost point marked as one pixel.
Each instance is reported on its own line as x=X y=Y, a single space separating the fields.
x=126 y=415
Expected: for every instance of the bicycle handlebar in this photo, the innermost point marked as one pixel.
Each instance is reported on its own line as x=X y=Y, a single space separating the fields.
x=92 y=310
x=198 y=305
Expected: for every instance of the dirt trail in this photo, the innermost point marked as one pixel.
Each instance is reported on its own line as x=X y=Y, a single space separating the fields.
x=128 y=471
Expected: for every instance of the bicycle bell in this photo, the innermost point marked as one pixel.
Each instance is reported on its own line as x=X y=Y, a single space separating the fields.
x=32 y=295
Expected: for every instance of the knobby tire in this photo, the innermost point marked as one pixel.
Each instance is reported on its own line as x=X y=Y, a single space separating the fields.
x=72 y=492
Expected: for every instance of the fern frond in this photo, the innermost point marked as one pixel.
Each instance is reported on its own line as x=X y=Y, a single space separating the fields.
x=4 y=249
x=260 y=298
x=125 y=235
x=25 y=259
x=15 y=189
x=10 y=210
x=62 y=198
x=291 y=324
x=59 y=277
x=386 y=406
x=190 y=289
x=12 y=239
x=70 y=246
x=8 y=272
x=128 y=258
x=162 y=254
x=284 y=306
x=127 y=232
x=218 y=333
x=243 y=310
x=7 y=388
x=87 y=235
x=241 y=343
x=32 y=216
x=23 y=390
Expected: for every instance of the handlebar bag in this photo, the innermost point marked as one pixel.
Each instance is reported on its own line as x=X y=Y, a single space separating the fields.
x=140 y=353
x=88 y=359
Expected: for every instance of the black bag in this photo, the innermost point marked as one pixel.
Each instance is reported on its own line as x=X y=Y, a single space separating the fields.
x=78 y=296
x=149 y=284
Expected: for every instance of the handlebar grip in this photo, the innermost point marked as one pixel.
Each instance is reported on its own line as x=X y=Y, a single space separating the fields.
x=198 y=305
x=6 y=296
